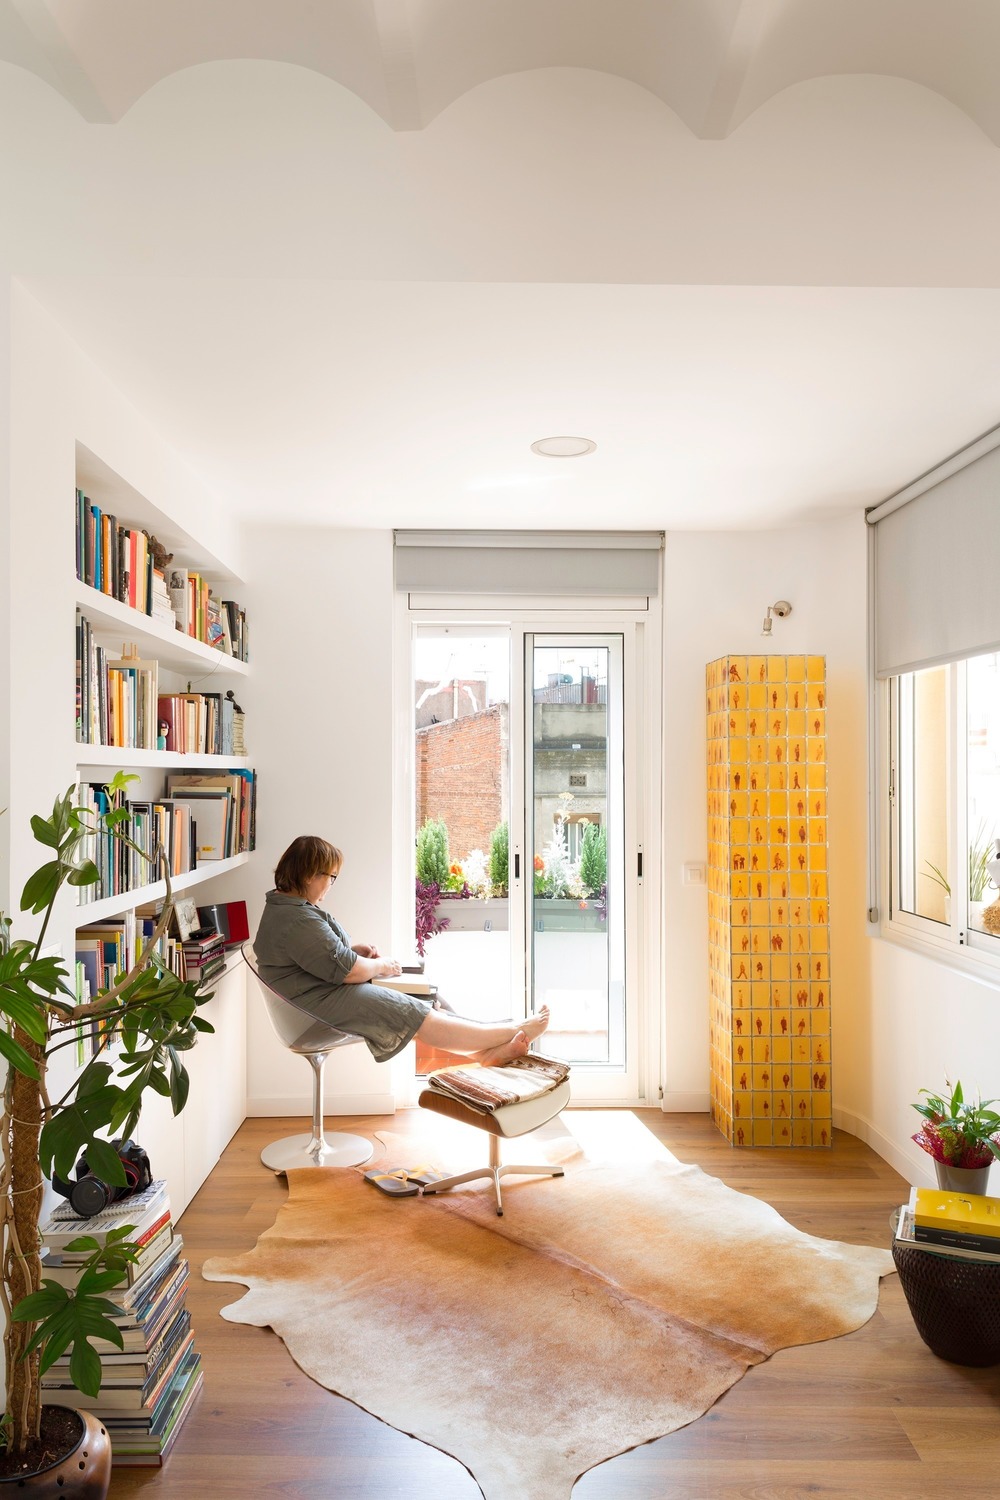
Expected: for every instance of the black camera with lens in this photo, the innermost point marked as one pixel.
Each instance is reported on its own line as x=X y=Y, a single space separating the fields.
x=88 y=1194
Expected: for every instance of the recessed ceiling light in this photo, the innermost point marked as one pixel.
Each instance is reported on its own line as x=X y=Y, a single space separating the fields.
x=563 y=447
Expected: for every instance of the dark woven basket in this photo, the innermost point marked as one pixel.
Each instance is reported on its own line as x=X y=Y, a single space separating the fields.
x=955 y=1303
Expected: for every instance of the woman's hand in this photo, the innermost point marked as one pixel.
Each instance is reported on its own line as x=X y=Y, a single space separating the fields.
x=365 y=950
x=367 y=969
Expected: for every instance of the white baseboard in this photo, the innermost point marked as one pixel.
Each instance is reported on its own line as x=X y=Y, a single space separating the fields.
x=299 y=1104
x=900 y=1161
x=674 y=1102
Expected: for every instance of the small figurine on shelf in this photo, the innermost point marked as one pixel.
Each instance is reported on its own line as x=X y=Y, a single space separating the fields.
x=161 y=557
x=162 y=730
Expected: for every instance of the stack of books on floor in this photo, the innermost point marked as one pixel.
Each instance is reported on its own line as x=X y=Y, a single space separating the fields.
x=147 y=1388
x=966 y=1225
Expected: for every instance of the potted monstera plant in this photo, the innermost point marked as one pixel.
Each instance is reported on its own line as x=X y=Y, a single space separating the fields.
x=153 y=1012
x=962 y=1136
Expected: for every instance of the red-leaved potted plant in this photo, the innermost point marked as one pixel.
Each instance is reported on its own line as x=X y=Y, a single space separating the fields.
x=961 y=1135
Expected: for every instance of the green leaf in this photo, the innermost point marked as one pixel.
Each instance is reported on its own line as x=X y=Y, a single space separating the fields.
x=95 y=1075
x=180 y=1083
x=44 y=832
x=85 y=1368
x=105 y=1163
x=41 y=1304
x=24 y=1013
x=86 y=873
x=92 y=1282
x=16 y=1056
x=41 y=887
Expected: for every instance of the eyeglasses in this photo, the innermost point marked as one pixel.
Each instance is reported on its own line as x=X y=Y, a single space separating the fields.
x=330 y=878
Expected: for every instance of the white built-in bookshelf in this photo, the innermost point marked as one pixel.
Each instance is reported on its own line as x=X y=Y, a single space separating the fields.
x=184 y=1148
x=185 y=664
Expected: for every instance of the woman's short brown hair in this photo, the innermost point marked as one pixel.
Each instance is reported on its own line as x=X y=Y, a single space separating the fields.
x=305 y=857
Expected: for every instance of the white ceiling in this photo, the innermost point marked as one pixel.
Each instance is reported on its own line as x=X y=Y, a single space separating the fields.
x=352 y=259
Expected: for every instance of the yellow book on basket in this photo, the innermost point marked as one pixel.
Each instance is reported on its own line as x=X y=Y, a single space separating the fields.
x=971 y=1212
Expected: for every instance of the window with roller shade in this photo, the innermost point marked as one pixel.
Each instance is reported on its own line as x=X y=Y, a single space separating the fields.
x=934 y=589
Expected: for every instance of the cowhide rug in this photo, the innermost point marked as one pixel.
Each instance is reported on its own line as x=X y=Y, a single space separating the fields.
x=606 y=1308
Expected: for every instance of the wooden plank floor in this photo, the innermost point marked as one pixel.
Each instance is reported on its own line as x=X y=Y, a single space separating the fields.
x=874 y=1414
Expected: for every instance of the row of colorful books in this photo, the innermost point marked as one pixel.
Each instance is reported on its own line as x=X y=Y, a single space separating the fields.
x=112 y=556
x=201 y=723
x=105 y=950
x=966 y=1225
x=118 y=703
x=117 y=558
x=218 y=622
x=149 y=1385
x=116 y=697
x=200 y=818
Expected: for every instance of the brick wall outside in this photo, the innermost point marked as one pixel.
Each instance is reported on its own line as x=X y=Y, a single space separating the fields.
x=460 y=771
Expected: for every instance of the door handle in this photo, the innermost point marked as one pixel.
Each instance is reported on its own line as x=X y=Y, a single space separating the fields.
x=517 y=867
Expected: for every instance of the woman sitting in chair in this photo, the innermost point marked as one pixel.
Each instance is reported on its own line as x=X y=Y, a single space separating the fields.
x=304 y=954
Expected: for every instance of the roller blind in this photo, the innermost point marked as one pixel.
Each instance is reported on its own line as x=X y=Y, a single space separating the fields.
x=935 y=585
x=619 y=563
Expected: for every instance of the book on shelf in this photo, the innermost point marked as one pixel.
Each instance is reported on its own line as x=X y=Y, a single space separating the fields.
x=204 y=956
x=161 y=607
x=116 y=698
x=239 y=784
x=113 y=556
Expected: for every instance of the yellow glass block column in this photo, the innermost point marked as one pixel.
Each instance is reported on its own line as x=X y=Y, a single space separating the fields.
x=768 y=900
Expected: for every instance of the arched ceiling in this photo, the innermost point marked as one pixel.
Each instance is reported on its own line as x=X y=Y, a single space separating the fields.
x=713 y=62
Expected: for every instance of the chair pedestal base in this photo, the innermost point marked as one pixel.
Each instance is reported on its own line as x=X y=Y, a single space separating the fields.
x=332 y=1149
x=494 y=1171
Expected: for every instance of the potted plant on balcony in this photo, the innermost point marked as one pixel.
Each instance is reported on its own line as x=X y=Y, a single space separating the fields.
x=981 y=874
x=153 y=1011
x=962 y=1136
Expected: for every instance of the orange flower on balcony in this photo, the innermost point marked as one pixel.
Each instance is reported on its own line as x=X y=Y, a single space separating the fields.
x=454 y=869
x=539 y=863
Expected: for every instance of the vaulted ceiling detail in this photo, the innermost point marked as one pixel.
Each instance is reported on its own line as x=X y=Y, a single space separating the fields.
x=713 y=62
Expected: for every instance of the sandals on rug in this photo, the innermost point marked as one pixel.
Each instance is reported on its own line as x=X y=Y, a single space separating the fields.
x=404 y=1182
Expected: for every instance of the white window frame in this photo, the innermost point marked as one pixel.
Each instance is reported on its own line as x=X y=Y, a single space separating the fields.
x=954 y=942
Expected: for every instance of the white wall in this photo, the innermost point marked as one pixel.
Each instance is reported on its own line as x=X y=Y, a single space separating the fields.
x=6 y=565
x=320 y=733
x=717 y=587
x=928 y=1023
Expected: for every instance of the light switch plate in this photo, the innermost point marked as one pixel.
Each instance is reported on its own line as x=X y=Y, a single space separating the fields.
x=694 y=874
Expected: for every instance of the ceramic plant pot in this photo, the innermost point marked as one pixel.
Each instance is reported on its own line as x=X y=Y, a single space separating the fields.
x=961 y=1179
x=82 y=1474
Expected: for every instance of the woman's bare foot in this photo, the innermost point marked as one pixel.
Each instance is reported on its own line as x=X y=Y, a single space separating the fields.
x=536 y=1024
x=495 y=1057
